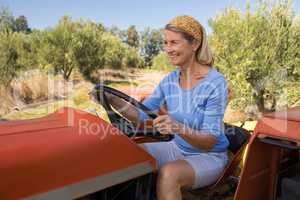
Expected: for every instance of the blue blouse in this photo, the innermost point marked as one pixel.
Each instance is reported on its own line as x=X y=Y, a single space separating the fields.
x=201 y=107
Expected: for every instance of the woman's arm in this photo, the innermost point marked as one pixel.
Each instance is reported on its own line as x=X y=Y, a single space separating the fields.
x=206 y=136
x=198 y=139
x=166 y=125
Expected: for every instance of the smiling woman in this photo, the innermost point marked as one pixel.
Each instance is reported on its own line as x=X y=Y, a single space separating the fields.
x=195 y=96
x=189 y=33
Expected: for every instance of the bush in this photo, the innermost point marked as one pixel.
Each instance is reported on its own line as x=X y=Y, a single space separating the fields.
x=7 y=101
x=30 y=87
x=161 y=62
x=132 y=59
x=114 y=51
x=81 y=97
x=9 y=56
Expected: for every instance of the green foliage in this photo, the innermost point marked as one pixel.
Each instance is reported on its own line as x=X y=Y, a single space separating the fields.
x=132 y=59
x=21 y=24
x=27 y=51
x=152 y=44
x=292 y=91
x=81 y=97
x=114 y=30
x=72 y=45
x=9 y=65
x=114 y=51
x=59 y=48
x=15 y=48
x=132 y=37
x=89 y=49
x=6 y=19
x=39 y=49
x=161 y=62
x=81 y=45
x=258 y=52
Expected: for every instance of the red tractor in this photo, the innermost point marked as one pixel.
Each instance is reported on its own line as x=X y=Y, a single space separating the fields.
x=72 y=154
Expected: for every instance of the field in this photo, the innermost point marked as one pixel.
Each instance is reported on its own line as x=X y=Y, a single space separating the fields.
x=75 y=94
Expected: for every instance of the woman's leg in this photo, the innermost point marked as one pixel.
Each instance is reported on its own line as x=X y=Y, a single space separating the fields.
x=191 y=171
x=163 y=152
x=208 y=167
x=177 y=171
x=172 y=177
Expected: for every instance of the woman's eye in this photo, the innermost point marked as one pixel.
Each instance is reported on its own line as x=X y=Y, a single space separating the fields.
x=170 y=43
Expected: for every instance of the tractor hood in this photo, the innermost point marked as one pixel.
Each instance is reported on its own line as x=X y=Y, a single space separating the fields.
x=65 y=155
x=281 y=125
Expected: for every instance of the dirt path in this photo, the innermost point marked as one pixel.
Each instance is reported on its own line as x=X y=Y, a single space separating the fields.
x=151 y=77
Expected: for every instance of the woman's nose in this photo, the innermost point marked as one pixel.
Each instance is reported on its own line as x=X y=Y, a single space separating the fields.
x=167 y=49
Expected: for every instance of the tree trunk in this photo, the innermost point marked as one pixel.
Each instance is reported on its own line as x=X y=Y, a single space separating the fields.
x=274 y=103
x=259 y=100
x=66 y=77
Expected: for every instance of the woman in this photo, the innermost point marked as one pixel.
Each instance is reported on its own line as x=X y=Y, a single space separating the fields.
x=195 y=96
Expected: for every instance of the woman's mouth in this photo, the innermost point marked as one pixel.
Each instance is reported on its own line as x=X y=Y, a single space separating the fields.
x=173 y=56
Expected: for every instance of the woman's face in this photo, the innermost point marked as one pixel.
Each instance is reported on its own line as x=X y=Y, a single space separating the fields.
x=178 y=49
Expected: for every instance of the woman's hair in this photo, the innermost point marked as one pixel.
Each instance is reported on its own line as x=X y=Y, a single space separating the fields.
x=185 y=35
x=192 y=31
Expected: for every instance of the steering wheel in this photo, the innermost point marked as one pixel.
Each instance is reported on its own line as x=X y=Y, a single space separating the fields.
x=123 y=124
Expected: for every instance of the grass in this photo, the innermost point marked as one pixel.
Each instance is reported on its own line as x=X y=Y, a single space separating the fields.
x=36 y=112
x=37 y=85
x=78 y=96
x=79 y=101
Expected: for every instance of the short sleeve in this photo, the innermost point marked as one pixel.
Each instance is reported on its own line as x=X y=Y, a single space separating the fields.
x=215 y=108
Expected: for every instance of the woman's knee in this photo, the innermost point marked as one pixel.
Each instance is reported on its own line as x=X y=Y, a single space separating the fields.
x=168 y=173
x=178 y=172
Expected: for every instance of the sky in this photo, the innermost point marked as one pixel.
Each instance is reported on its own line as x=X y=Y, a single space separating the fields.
x=42 y=14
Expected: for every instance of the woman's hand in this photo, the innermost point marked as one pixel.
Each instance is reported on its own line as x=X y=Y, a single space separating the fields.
x=166 y=125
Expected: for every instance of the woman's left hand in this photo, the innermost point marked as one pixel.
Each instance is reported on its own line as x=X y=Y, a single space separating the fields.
x=166 y=125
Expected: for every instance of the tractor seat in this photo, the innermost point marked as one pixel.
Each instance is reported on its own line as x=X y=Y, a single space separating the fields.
x=238 y=138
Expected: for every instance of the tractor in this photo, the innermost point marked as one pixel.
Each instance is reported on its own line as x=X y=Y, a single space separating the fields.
x=73 y=154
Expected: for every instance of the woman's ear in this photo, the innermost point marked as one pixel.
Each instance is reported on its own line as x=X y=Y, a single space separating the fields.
x=195 y=45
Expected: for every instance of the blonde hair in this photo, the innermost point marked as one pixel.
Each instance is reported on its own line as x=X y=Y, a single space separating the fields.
x=192 y=30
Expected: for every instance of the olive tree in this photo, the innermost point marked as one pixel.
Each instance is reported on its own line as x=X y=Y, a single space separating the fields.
x=258 y=51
